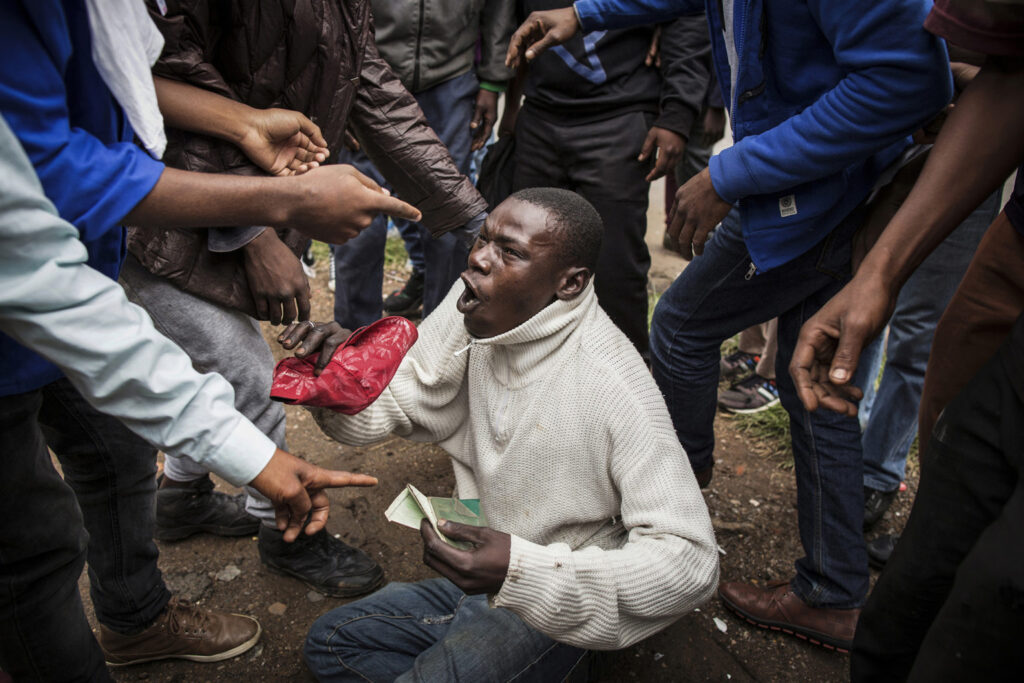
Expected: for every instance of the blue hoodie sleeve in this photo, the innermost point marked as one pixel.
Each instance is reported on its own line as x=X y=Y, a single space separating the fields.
x=93 y=183
x=605 y=14
x=897 y=77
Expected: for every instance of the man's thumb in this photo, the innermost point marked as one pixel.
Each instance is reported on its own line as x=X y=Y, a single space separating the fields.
x=544 y=43
x=459 y=532
x=844 y=361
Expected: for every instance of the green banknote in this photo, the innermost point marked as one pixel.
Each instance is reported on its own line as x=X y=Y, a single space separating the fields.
x=412 y=505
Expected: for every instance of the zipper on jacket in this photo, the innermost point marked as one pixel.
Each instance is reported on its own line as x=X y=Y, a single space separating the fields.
x=751 y=271
x=419 y=42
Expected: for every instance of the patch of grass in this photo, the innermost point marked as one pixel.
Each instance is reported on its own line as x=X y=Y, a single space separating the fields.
x=321 y=252
x=769 y=429
x=395 y=256
x=652 y=301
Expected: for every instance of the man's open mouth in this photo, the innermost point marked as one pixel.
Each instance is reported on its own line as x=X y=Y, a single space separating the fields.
x=469 y=299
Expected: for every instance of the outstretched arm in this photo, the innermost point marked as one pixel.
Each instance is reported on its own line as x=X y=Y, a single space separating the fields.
x=967 y=164
x=54 y=304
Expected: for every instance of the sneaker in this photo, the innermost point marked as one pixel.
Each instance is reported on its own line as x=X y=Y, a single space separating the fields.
x=737 y=364
x=750 y=395
x=880 y=550
x=182 y=512
x=875 y=504
x=183 y=631
x=408 y=299
x=320 y=561
x=778 y=608
x=308 y=260
x=331 y=282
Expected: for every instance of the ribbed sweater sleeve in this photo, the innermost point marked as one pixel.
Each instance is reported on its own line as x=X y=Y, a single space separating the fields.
x=426 y=400
x=607 y=599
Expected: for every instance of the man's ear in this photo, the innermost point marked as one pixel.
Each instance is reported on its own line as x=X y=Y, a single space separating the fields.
x=572 y=283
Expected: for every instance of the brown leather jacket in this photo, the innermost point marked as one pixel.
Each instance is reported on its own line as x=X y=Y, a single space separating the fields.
x=313 y=56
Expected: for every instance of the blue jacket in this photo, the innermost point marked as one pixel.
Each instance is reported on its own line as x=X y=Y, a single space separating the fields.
x=78 y=140
x=827 y=92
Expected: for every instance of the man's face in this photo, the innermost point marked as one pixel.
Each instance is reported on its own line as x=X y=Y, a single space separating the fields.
x=514 y=270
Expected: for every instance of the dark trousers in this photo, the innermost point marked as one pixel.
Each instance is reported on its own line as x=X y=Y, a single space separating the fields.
x=598 y=161
x=950 y=604
x=359 y=263
x=43 y=631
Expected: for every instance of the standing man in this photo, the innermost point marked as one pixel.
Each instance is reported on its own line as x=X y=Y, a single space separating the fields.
x=206 y=290
x=75 y=88
x=822 y=96
x=600 y=122
x=432 y=48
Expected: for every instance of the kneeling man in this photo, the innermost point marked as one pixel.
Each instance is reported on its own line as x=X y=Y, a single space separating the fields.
x=599 y=535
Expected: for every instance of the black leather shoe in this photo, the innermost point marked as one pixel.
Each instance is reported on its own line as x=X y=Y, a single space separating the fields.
x=880 y=549
x=875 y=504
x=320 y=561
x=184 y=511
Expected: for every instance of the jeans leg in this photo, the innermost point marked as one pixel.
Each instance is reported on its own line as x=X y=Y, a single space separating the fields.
x=954 y=580
x=44 y=635
x=216 y=339
x=829 y=469
x=431 y=631
x=113 y=474
x=413 y=238
x=448 y=108
x=888 y=437
x=359 y=263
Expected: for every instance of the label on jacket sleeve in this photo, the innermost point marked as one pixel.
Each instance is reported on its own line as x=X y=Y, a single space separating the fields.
x=787 y=205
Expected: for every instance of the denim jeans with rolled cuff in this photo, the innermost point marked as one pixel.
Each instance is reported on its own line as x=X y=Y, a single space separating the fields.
x=432 y=631
x=717 y=296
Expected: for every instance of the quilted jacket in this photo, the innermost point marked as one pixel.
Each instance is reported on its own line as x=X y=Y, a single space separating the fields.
x=313 y=56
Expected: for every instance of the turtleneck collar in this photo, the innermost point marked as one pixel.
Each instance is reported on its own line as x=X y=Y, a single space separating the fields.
x=526 y=351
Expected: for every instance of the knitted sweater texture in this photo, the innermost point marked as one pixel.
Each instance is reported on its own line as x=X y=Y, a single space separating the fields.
x=560 y=431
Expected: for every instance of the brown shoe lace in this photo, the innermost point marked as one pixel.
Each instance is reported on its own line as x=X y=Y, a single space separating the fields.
x=184 y=617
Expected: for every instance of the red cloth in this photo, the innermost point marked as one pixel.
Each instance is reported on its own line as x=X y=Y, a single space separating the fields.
x=355 y=376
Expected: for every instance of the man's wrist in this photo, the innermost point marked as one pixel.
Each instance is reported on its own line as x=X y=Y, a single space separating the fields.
x=491 y=86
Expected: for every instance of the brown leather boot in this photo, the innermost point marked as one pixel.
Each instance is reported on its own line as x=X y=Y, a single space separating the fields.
x=183 y=631
x=778 y=608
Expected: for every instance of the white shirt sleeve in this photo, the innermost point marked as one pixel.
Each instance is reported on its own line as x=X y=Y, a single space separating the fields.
x=79 y=319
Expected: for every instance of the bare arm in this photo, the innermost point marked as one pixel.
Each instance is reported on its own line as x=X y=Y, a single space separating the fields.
x=331 y=203
x=280 y=141
x=979 y=145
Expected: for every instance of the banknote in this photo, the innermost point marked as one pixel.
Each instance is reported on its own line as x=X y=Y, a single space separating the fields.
x=412 y=505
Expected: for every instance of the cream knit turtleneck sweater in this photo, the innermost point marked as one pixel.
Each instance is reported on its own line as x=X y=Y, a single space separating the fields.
x=560 y=431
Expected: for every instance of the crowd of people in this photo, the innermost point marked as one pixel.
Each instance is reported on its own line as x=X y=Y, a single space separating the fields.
x=165 y=164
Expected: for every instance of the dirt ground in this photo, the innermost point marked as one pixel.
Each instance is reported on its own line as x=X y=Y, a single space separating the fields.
x=752 y=501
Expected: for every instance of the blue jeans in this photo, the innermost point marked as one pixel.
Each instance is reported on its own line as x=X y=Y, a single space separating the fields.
x=712 y=300
x=889 y=414
x=359 y=263
x=432 y=631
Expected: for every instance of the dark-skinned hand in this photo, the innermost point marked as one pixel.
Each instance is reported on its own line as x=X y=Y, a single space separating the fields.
x=695 y=213
x=283 y=142
x=310 y=337
x=540 y=31
x=831 y=341
x=668 y=148
x=351 y=142
x=484 y=116
x=714 y=126
x=296 y=488
x=335 y=203
x=480 y=570
x=278 y=285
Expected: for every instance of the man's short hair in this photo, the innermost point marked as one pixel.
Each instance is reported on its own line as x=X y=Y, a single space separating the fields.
x=575 y=218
